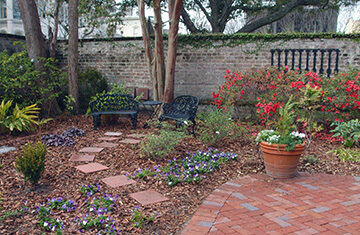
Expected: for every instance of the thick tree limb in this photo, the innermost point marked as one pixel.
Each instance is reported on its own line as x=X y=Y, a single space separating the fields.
x=274 y=16
x=188 y=22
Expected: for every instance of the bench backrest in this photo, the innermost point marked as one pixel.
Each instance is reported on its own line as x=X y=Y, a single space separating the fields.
x=316 y=60
x=114 y=102
x=186 y=104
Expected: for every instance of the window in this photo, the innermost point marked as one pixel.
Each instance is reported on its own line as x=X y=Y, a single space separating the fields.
x=16 y=10
x=2 y=9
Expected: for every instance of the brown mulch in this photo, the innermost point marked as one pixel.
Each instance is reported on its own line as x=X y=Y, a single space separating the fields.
x=62 y=179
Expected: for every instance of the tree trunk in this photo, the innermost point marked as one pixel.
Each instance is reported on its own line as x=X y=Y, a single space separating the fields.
x=53 y=40
x=159 y=50
x=35 y=43
x=73 y=53
x=175 y=7
x=147 y=45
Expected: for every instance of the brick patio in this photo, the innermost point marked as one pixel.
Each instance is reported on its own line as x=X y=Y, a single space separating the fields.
x=257 y=204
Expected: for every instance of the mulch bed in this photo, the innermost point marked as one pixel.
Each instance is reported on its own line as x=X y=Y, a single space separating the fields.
x=62 y=179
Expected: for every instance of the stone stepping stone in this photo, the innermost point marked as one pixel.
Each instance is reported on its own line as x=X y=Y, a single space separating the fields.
x=91 y=167
x=130 y=141
x=6 y=149
x=106 y=145
x=138 y=136
x=113 y=133
x=82 y=158
x=117 y=181
x=91 y=150
x=148 y=197
x=106 y=138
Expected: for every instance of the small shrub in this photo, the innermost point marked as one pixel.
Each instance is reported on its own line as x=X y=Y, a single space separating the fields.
x=217 y=127
x=32 y=163
x=138 y=218
x=349 y=130
x=311 y=159
x=90 y=189
x=69 y=102
x=158 y=146
x=22 y=83
x=91 y=82
x=346 y=154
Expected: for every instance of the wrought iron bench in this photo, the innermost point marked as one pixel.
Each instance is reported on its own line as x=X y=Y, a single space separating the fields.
x=114 y=104
x=313 y=57
x=181 y=109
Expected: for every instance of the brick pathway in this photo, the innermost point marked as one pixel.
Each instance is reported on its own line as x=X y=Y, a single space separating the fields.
x=257 y=204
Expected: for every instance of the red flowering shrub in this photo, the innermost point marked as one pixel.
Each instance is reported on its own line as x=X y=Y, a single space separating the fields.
x=338 y=97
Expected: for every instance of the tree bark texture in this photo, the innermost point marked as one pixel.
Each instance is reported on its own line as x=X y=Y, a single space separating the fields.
x=73 y=53
x=175 y=8
x=35 y=43
x=159 y=50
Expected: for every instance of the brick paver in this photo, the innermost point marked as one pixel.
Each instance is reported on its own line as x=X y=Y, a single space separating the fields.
x=108 y=138
x=91 y=167
x=91 y=150
x=106 y=145
x=257 y=204
x=82 y=158
x=117 y=181
x=130 y=141
x=113 y=134
x=148 y=197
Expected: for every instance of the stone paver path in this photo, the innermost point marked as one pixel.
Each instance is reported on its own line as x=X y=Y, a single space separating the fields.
x=91 y=150
x=113 y=134
x=91 y=167
x=6 y=149
x=106 y=145
x=257 y=204
x=106 y=138
x=117 y=181
x=130 y=141
x=148 y=197
x=82 y=158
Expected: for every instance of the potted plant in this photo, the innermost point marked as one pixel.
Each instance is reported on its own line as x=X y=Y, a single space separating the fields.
x=283 y=146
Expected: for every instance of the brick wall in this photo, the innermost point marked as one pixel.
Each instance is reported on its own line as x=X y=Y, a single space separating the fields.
x=198 y=70
x=7 y=40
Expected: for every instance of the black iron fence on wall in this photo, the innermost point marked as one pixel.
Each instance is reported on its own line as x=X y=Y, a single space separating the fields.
x=316 y=60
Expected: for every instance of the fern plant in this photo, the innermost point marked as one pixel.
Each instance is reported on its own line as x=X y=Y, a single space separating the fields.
x=32 y=162
x=20 y=119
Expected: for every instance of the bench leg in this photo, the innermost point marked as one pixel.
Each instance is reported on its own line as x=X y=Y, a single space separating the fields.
x=134 y=120
x=96 y=121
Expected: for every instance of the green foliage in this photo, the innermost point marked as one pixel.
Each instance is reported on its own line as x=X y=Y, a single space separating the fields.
x=157 y=146
x=346 y=154
x=138 y=218
x=69 y=102
x=20 y=119
x=217 y=126
x=311 y=159
x=235 y=40
x=91 y=82
x=89 y=190
x=285 y=123
x=22 y=83
x=32 y=162
x=349 y=130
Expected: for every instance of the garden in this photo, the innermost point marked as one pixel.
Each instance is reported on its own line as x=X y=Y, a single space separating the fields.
x=43 y=190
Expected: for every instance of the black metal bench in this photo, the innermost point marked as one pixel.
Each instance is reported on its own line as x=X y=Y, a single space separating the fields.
x=114 y=104
x=181 y=109
x=310 y=58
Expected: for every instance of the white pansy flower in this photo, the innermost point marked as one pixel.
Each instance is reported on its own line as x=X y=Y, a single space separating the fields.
x=217 y=132
x=46 y=224
x=186 y=123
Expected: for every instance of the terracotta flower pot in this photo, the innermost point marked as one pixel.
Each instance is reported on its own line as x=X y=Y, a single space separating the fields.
x=280 y=163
